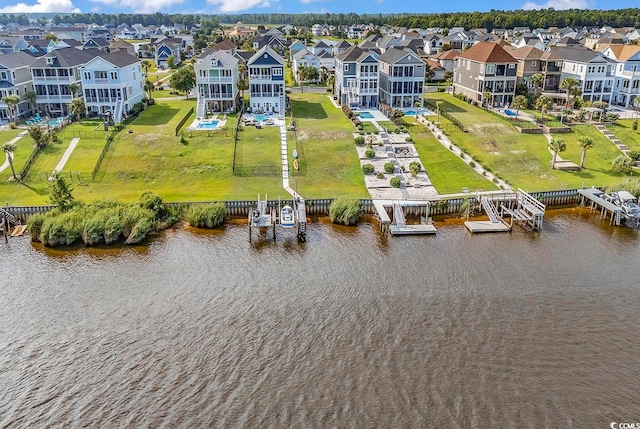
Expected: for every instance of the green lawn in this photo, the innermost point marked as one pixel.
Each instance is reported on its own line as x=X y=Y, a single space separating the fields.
x=623 y=131
x=22 y=151
x=85 y=155
x=447 y=172
x=329 y=164
x=523 y=159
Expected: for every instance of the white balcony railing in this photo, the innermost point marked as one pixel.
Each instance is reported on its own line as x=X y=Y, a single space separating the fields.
x=216 y=79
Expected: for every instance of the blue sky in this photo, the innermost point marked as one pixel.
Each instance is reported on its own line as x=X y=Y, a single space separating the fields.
x=294 y=6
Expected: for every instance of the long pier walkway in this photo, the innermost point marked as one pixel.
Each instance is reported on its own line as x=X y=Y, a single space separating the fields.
x=595 y=196
x=299 y=206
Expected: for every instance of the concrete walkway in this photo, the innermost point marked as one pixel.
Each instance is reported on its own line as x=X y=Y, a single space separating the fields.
x=11 y=142
x=65 y=156
x=284 y=155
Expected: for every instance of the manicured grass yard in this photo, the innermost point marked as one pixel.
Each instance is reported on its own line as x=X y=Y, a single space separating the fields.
x=22 y=150
x=447 y=172
x=523 y=159
x=329 y=164
x=86 y=154
x=622 y=129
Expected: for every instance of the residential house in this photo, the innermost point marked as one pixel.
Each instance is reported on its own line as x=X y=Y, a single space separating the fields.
x=227 y=46
x=433 y=43
x=276 y=42
x=461 y=40
x=447 y=59
x=96 y=43
x=165 y=47
x=401 y=74
x=266 y=81
x=41 y=46
x=594 y=71
x=357 y=77
x=98 y=32
x=296 y=46
x=217 y=78
x=316 y=30
x=241 y=31
x=341 y=47
x=53 y=74
x=112 y=83
x=10 y=44
x=69 y=32
x=436 y=70
x=15 y=79
x=355 y=32
x=305 y=58
x=528 y=64
x=327 y=61
x=551 y=69
x=627 y=73
x=530 y=39
x=322 y=46
x=486 y=67
x=121 y=45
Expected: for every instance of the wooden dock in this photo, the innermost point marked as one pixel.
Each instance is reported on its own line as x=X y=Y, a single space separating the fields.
x=397 y=225
x=19 y=231
x=480 y=226
x=595 y=196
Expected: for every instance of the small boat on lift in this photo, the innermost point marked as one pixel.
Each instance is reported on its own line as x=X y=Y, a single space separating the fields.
x=286 y=217
x=295 y=164
x=295 y=154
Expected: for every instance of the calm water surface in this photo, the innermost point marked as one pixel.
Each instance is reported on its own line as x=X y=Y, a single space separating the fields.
x=347 y=330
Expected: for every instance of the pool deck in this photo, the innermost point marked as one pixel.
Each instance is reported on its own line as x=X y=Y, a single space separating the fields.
x=194 y=125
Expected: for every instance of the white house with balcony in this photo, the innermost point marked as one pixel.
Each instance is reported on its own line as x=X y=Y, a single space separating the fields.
x=112 y=83
x=594 y=71
x=217 y=80
x=401 y=77
x=305 y=58
x=52 y=76
x=266 y=81
x=357 y=77
x=627 y=73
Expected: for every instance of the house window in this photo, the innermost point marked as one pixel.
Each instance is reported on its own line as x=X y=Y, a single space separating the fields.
x=346 y=67
x=3 y=76
x=533 y=63
x=113 y=75
x=86 y=75
x=512 y=66
x=277 y=72
x=491 y=68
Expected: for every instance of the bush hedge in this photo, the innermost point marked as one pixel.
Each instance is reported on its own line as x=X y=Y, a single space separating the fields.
x=368 y=168
x=395 y=182
x=205 y=215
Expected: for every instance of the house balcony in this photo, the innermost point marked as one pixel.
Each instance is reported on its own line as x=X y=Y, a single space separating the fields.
x=88 y=100
x=628 y=74
x=53 y=98
x=370 y=74
x=550 y=69
x=215 y=79
x=629 y=91
x=54 y=79
x=221 y=96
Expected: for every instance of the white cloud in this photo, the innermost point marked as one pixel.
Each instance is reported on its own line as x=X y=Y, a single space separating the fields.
x=228 y=6
x=42 y=6
x=142 y=6
x=558 y=4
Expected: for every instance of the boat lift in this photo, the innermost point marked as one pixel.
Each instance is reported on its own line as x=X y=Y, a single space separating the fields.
x=265 y=218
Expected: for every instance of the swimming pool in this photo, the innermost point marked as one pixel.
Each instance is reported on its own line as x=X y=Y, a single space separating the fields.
x=260 y=118
x=509 y=112
x=366 y=115
x=412 y=112
x=208 y=125
x=55 y=122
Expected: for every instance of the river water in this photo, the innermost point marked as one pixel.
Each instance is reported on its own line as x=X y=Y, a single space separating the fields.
x=350 y=329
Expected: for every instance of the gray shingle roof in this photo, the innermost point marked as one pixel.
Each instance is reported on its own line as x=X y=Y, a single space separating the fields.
x=65 y=57
x=16 y=60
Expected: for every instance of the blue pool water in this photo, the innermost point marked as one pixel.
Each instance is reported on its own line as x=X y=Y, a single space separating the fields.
x=260 y=118
x=412 y=112
x=509 y=112
x=208 y=125
x=54 y=122
x=366 y=115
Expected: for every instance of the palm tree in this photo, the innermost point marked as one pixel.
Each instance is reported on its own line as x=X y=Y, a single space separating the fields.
x=242 y=69
x=39 y=136
x=73 y=88
x=538 y=81
x=31 y=96
x=77 y=108
x=556 y=146
x=243 y=85
x=331 y=80
x=438 y=108
x=622 y=164
x=145 y=65
x=519 y=102
x=568 y=84
x=585 y=143
x=543 y=104
x=486 y=99
x=8 y=149
x=12 y=101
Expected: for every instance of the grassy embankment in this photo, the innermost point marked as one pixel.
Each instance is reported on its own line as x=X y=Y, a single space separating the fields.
x=523 y=159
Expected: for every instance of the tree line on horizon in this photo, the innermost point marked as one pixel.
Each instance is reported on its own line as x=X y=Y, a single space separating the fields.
x=541 y=18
